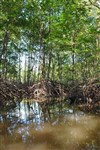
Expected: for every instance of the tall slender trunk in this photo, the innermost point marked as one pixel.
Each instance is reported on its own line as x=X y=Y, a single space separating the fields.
x=43 y=67
x=4 y=54
x=59 y=68
x=25 y=69
x=73 y=56
x=97 y=57
x=53 y=71
x=19 y=72
x=73 y=64
x=50 y=45
x=49 y=65
x=29 y=68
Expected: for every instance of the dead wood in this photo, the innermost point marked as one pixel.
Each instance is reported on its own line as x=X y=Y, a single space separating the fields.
x=46 y=89
x=87 y=94
x=10 y=94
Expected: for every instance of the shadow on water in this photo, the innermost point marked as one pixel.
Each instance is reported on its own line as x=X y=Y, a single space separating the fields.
x=59 y=127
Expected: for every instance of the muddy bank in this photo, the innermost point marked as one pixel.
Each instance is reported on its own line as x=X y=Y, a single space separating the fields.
x=10 y=94
x=45 y=89
x=84 y=94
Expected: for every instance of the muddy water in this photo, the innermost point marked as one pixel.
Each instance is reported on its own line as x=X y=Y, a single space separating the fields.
x=60 y=128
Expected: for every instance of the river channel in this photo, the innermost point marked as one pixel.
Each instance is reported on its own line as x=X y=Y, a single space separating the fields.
x=26 y=127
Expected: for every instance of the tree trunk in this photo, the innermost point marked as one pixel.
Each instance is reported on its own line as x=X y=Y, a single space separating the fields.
x=59 y=68
x=49 y=65
x=43 y=67
x=19 y=73
x=4 y=54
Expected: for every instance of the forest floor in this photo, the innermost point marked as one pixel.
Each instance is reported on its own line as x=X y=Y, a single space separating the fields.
x=84 y=95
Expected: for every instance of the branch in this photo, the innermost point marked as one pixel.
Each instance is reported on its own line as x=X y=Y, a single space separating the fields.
x=96 y=5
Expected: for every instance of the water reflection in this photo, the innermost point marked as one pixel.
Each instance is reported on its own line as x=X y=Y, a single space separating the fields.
x=61 y=128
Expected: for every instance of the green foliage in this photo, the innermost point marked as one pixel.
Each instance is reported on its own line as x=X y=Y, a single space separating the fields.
x=61 y=36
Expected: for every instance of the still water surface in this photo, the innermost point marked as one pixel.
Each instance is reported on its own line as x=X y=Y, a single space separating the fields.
x=61 y=128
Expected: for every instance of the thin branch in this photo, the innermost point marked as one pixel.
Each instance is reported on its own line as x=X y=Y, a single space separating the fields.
x=96 y=5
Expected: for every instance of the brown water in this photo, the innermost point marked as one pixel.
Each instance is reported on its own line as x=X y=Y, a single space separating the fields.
x=63 y=128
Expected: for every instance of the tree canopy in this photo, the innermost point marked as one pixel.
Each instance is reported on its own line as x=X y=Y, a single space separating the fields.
x=51 y=39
